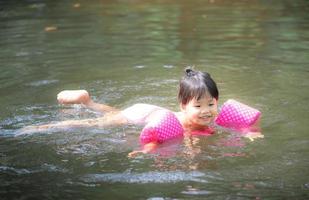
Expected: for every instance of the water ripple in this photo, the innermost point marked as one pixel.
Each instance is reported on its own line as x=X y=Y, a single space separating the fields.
x=42 y=82
x=43 y=168
x=6 y=169
x=146 y=177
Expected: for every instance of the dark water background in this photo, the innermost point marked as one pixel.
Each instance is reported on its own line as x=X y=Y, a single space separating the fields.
x=129 y=51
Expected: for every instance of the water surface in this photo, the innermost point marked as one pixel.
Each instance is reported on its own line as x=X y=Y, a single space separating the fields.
x=126 y=52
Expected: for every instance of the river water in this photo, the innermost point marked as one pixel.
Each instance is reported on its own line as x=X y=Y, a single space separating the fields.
x=131 y=51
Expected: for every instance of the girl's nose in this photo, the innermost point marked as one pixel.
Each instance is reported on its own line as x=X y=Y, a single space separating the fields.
x=205 y=110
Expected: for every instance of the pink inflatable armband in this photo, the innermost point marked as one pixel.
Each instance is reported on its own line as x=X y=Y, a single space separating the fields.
x=163 y=126
x=236 y=115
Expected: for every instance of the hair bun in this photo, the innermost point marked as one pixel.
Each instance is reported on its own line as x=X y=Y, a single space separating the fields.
x=189 y=71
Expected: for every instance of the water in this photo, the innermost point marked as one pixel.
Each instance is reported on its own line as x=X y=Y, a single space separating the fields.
x=125 y=52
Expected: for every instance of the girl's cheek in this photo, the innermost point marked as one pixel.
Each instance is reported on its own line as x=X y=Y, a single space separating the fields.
x=196 y=110
x=214 y=111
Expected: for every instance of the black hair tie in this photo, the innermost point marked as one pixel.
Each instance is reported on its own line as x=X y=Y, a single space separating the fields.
x=190 y=72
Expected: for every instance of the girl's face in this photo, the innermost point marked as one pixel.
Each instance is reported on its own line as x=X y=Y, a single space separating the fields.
x=200 y=113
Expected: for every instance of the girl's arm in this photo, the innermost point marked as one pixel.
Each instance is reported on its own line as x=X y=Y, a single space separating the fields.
x=82 y=97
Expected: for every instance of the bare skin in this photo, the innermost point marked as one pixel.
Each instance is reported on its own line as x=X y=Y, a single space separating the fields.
x=82 y=97
x=195 y=115
x=111 y=117
x=147 y=148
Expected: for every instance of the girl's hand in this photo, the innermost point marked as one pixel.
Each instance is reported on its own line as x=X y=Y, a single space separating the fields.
x=73 y=97
x=146 y=149
x=254 y=135
x=133 y=154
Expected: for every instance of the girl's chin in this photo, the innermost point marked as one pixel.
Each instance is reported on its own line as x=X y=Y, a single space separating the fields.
x=206 y=122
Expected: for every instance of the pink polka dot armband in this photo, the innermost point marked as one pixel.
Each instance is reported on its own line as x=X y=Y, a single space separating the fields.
x=163 y=126
x=237 y=116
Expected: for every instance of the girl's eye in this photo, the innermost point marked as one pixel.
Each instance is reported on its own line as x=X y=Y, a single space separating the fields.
x=211 y=104
x=197 y=106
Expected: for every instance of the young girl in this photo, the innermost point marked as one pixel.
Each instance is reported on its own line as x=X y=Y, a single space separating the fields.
x=198 y=100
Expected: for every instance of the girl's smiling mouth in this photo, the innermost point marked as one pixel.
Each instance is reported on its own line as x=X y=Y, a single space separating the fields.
x=206 y=117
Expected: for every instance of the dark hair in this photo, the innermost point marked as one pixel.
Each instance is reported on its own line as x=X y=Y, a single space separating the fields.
x=196 y=84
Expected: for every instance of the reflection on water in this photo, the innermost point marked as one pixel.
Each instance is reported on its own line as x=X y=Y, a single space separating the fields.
x=148 y=177
x=126 y=52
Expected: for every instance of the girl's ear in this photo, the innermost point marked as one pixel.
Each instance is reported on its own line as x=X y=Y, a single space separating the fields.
x=182 y=107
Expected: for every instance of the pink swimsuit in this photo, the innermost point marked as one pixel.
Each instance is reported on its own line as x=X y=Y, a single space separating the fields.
x=162 y=124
